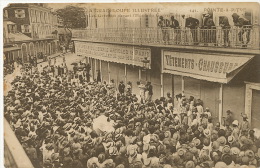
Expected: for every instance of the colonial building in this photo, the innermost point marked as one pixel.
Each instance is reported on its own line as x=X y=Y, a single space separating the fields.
x=32 y=28
x=223 y=77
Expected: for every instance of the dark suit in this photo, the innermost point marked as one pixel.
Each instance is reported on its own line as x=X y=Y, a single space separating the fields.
x=193 y=24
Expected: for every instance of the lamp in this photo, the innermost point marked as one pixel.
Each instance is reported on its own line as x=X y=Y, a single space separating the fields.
x=146 y=66
x=146 y=63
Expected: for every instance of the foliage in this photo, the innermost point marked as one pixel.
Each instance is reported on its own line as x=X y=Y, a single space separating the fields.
x=72 y=16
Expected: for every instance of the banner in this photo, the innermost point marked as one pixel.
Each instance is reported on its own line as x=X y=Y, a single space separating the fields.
x=131 y=55
x=202 y=66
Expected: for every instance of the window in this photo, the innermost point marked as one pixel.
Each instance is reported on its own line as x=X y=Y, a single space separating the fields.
x=6 y=13
x=11 y=28
x=19 y=13
x=32 y=16
x=25 y=28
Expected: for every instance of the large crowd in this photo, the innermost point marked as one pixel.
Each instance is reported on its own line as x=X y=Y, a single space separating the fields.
x=52 y=116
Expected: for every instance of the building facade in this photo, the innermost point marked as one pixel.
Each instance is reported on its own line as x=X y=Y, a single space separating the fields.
x=223 y=77
x=32 y=28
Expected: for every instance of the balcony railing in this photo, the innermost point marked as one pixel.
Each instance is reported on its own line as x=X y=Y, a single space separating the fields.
x=234 y=37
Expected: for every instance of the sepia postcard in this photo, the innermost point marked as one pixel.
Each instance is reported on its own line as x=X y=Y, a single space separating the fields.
x=131 y=85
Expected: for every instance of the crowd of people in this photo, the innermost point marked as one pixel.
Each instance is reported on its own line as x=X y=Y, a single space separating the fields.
x=52 y=117
x=186 y=29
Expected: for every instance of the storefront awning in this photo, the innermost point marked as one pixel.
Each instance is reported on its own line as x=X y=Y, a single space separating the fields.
x=11 y=49
x=214 y=68
x=130 y=55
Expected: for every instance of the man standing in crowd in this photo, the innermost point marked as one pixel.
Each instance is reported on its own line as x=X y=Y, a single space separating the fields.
x=245 y=28
x=142 y=89
x=121 y=87
x=149 y=91
x=164 y=25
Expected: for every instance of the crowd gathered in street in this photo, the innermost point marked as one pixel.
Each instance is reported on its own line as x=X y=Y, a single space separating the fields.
x=51 y=111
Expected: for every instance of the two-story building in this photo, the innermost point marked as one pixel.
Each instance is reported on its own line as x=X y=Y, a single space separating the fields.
x=32 y=29
x=195 y=61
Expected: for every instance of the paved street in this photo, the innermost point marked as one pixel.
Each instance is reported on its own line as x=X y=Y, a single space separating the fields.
x=70 y=58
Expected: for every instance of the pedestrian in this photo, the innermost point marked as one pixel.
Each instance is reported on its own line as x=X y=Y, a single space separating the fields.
x=121 y=87
x=142 y=90
x=149 y=91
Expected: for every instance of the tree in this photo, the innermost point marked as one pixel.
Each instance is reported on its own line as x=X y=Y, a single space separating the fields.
x=73 y=17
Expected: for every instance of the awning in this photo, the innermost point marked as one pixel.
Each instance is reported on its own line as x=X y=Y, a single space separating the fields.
x=215 y=68
x=10 y=23
x=123 y=54
x=11 y=49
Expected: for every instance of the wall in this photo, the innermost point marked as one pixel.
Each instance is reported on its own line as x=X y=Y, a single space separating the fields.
x=234 y=99
x=255 y=109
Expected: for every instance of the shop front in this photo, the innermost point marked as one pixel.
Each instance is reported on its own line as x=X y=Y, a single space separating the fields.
x=207 y=77
x=116 y=62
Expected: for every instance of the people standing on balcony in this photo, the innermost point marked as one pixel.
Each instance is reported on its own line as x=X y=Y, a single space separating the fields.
x=175 y=34
x=192 y=24
x=164 y=25
x=245 y=28
x=208 y=29
x=184 y=33
x=224 y=24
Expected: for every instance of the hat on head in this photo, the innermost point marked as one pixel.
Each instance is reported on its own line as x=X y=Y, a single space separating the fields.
x=244 y=115
x=215 y=145
x=167 y=134
x=117 y=136
x=190 y=164
x=206 y=132
x=226 y=149
x=231 y=139
x=132 y=153
x=215 y=157
x=112 y=151
x=181 y=151
x=222 y=141
x=226 y=158
x=220 y=165
x=250 y=154
x=235 y=151
x=245 y=160
x=196 y=142
x=235 y=122
x=147 y=162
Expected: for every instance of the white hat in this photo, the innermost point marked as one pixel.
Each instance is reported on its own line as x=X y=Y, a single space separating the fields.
x=235 y=122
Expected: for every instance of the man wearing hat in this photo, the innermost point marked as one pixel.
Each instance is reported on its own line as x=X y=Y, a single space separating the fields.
x=229 y=119
x=244 y=126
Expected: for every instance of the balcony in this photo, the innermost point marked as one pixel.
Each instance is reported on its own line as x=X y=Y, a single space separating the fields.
x=245 y=37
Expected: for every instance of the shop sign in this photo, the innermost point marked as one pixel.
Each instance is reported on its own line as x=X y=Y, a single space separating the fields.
x=216 y=66
x=131 y=55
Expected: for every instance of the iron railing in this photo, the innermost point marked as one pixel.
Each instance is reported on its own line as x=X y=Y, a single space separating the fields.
x=233 y=37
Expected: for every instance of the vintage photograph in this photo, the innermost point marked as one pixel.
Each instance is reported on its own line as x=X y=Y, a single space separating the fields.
x=131 y=85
